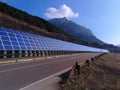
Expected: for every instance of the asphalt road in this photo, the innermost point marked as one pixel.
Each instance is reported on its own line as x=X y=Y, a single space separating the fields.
x=18 y=75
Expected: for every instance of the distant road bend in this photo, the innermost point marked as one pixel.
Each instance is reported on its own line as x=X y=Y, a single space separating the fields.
x=18 y=75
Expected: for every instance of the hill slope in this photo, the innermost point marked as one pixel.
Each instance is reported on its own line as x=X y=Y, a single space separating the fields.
x=75 y=30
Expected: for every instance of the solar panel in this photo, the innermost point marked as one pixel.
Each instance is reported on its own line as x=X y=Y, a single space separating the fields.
x=7 y=47
x=0 y=42
x=2 y=33
x=6 y=42
x=1 y=47
x=18 y=40
x=16 y=47
x=13 y=39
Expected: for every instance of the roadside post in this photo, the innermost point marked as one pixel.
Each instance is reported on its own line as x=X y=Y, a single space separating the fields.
x=92 y=59
x=88 y=63
x=77 y=67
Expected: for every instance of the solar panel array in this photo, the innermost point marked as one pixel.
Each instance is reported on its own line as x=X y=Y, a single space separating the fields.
x=18 y=40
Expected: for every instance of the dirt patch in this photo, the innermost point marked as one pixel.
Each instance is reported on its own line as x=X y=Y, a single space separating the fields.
x=104 y=74
x=117 y=56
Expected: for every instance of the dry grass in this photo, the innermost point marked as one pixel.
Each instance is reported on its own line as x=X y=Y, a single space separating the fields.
x=104 y=74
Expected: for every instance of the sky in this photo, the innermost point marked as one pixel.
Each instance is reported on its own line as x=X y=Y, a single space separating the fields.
x=102 y=17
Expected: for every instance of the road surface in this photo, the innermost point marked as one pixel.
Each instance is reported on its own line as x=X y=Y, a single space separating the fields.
x=18 y=75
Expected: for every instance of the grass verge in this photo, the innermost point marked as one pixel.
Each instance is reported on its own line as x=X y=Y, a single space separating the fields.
x=104 y=74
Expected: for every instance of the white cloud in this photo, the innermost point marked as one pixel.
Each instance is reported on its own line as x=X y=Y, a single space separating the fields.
x=63 y=11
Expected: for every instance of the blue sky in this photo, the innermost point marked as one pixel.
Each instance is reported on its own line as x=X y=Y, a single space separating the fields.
x=101 y=16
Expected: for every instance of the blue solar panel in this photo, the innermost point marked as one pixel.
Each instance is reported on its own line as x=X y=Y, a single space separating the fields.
x=23 y=47
x=4 y=38
x=8 y=47
x=20 y=40
x=2 y=29
x=6 y=43
x=15 y=43
x=21 y=43
x=29 y=48
x=11 y=35
x=17 y=40
x=1 y=47
x=16 y=47
x=27 y=44
x=9 y=30
x=13 y=39
x=3 y=33
x=18 y=36
x=0 y=42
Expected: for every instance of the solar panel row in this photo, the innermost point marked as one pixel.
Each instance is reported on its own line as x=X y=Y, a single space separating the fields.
x=17 y=40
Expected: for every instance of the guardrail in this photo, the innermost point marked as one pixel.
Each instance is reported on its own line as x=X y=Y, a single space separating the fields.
x=77 y=66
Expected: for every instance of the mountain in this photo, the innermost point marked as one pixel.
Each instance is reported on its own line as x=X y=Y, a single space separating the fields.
x=118 y=45
x=75 y=30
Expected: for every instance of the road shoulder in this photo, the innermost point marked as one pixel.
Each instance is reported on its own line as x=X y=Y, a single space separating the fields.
x=48 y=83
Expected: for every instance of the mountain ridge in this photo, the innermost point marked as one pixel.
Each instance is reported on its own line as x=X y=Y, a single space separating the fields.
x=76 y=30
